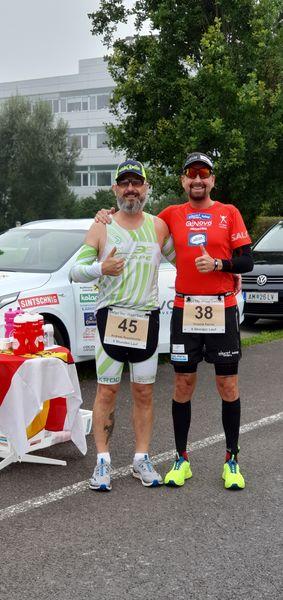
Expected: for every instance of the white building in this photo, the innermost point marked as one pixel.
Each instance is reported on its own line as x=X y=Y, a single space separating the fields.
x=82 y=100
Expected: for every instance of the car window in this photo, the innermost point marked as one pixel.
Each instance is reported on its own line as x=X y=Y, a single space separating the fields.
x=37 y=250
x=272 y=240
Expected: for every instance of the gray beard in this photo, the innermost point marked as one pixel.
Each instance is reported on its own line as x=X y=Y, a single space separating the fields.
x=131 y=207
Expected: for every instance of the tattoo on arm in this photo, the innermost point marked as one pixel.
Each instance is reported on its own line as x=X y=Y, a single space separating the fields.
x=110 y=426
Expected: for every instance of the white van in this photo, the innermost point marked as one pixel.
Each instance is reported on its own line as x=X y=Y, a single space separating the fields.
x=35 y=261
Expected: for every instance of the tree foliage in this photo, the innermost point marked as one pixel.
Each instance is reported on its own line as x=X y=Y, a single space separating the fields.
x=208 y=77
x=88 y=206
x=36 y=164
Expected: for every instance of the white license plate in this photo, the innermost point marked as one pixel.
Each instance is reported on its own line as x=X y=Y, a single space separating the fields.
x=263 y=297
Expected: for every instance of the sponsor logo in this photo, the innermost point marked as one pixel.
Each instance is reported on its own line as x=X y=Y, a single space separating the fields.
x=179 y=348
x=241 y=235
x=39 y=301
x=166 y=305
x=88 y=297
x=228 y=353
x=89 y=319
x=196 y=220
x=91 y=348
x=203 y=216
x=261 y=280
x=223 y=222
x=179 y=357
x=130 y=167
x=117 y=239
x=195 y=239
x=108 y=380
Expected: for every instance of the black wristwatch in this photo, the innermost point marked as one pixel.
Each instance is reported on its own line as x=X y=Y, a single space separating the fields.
x=215 y=264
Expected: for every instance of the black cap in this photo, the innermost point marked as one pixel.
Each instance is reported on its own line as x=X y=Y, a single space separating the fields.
x=197 y=157
x=130 y=166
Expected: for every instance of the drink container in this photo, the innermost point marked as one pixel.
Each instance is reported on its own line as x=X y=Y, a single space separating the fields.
x=35 y=333
x=20 y=335
x=40 y=333
x=9 y=320
x=48 y=338
x=32 y=333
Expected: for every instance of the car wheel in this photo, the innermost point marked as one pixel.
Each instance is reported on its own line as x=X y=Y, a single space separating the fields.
x=250 y=320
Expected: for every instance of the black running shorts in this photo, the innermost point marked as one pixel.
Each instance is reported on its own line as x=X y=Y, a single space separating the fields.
x=188 y=349
x=124 y=353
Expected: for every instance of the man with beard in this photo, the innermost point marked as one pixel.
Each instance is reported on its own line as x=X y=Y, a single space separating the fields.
x=125 y=257
x=211 y=244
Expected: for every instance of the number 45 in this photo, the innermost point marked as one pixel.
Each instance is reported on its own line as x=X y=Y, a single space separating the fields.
x=132 y=327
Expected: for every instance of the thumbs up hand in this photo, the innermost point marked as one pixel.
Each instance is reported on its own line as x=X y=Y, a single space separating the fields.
x=111 y=265
x=203 y=250
x=204 y=263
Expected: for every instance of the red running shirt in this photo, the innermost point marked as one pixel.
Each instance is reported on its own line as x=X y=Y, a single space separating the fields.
x=221 y=229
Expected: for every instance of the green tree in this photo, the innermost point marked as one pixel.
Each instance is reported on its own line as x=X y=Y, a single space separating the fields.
x=208 y=77
x=36 y=164
x=88 y=206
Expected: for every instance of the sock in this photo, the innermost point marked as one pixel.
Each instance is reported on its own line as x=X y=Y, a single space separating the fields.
x=103 y=455
x=231 y=413
x=181 y=413
x=140 y=456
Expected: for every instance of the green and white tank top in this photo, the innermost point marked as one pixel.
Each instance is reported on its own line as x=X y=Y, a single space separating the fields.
x=137 y=286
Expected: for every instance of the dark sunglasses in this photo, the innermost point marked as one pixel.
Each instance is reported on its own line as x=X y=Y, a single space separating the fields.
x=203 y=172
x=124 y=183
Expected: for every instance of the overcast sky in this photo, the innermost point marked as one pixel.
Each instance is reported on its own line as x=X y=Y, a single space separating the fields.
x=42 y=38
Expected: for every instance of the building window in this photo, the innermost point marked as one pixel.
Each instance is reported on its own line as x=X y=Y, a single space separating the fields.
x=102 y=101
x=74 y=104
x=93 y=137
x=101 y=140
x=95 y=175
x=63 y=105
x=103 y=178
x=85 y=179
x=92 y=103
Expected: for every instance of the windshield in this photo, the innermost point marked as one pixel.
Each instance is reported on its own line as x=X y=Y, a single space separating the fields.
x=37 y=250
x=272 y=241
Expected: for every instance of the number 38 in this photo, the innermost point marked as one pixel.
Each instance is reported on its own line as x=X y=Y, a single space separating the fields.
x=204 y=312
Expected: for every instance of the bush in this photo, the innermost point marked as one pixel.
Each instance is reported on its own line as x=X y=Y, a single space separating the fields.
x=261 y=224
x=87 y=207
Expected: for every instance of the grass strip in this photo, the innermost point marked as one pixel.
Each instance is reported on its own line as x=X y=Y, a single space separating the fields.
x=263 y=337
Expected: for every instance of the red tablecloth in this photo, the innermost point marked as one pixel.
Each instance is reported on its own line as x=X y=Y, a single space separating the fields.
x=26 y=382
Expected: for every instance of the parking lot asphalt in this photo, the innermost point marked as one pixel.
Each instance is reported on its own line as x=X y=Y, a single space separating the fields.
x=198 y=542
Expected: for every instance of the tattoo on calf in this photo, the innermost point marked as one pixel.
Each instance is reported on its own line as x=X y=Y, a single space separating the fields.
x=109 y=428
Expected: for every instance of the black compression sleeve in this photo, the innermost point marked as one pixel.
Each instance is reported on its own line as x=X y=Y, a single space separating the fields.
x=241 y=261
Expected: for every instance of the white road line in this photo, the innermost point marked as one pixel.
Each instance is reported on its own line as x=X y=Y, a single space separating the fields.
x=81 y=486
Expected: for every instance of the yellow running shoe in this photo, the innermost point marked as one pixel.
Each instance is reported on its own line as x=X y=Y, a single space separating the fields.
x=233 y=478
x=180 y=471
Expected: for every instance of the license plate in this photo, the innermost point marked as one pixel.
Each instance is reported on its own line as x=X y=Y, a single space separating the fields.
x=261 y=297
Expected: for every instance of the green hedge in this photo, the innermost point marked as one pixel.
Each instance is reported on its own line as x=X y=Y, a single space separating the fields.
x=261 y=224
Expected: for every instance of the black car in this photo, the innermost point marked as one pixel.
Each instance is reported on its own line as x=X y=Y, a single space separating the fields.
x=263 y=286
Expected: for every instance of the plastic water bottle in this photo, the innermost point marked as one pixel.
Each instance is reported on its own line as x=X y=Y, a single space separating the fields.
x=48 y=335
x=9 y=320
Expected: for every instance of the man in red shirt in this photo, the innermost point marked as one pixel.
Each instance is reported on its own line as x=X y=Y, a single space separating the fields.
x=211 y=243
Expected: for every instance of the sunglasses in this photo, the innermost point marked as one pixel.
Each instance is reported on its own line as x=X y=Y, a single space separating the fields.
x=126 y=182
x=192 y=172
